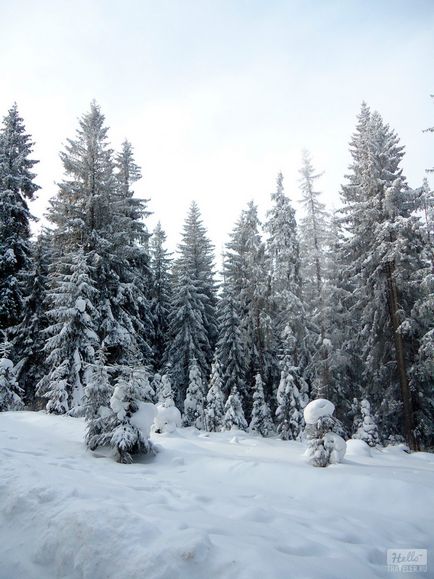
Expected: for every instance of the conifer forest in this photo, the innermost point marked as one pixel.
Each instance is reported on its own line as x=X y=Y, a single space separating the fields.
x=216 y=289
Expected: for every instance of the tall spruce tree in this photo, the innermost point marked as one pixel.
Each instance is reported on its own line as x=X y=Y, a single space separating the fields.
x=72 y=336
x=383 y=252
x=283 y=251
x=192 y=321
x=95 y=212
x=314 y=240
x=246 y=276
x=17 y=187
x=161 y=294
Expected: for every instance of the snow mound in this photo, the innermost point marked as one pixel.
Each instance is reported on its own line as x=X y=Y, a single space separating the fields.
x=167 y=419
x=317 y=409
x=6 y=364
x=357 y=447
x=337 y=445
x=143 y=418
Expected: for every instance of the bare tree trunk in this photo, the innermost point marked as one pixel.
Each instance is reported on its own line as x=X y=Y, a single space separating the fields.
x=400 y=359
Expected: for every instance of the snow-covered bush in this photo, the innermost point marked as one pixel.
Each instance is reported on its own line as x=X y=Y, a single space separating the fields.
x=214 y=410
x=261 y=422
x=168 y=417
x=234 y=418
x=130 y=423
x=367 y=430
x=9 y=390
x=194 y=402
x=324 y=445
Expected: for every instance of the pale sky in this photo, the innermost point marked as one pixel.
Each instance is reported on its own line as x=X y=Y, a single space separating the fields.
x=219 y=96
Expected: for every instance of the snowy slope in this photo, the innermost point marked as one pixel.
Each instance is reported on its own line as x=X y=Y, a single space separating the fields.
x=214 y=506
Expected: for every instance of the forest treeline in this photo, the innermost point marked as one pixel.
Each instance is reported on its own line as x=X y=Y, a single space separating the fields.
x=97 y=315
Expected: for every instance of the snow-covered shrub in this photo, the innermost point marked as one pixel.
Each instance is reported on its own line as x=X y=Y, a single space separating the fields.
x=194 y=402
x=214 y=410
x=168 y=417
x=234 y=418
x=367 y=430
x=261 y=422
x=130 y=424
x=9 y=390
x=324 y=445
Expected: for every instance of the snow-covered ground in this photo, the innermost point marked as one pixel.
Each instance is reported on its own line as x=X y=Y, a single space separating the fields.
x=207 y=506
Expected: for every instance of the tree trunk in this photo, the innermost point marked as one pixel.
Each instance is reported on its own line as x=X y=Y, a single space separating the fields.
x=400 y=359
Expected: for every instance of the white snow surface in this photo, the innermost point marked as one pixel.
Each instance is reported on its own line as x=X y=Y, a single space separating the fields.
x=202 y=508
x=317 y=409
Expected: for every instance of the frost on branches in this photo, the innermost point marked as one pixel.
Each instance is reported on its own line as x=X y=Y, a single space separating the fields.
x=324 y=445
x=261 y=422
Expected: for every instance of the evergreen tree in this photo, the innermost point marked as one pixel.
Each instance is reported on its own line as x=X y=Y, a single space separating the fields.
x=97 y=394
x=245 y=271
x=16 y=188
x=367 y=428
x=192 y=321
x=72 y=336
x=261 y=422
x=161 y=293
x=126 y=432
x=314 y=240
x=292 y=394
x=29 y=336
x=214 y=410
x=234 y=415
x=194 y=399
x=10 y=392
x=283 y=250
x=230 y=346
x=95 y=209
x=383 y=252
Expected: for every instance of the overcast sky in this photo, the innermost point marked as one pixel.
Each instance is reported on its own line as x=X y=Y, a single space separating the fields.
x=218 y=96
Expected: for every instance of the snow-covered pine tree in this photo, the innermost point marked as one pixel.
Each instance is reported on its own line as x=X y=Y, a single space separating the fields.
x=96 y=402
x=72 y=333
x=367 y=429
x=192 y=320
x=324 y=445
x=261 y=422
x=283 y=251
x=10 y=392
x=131 y=263
x=161 y=294
x=168 y=416
x=95 y=209
x=194 y=398
x=383 y=252
x=230 y=346
x=17 y=186
x=314 y=239
x=234 y=415
x=292 y=393
x=214 y=410
x=129 y=426
x=157 y=386
x=28 y=336
x=246 y=275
